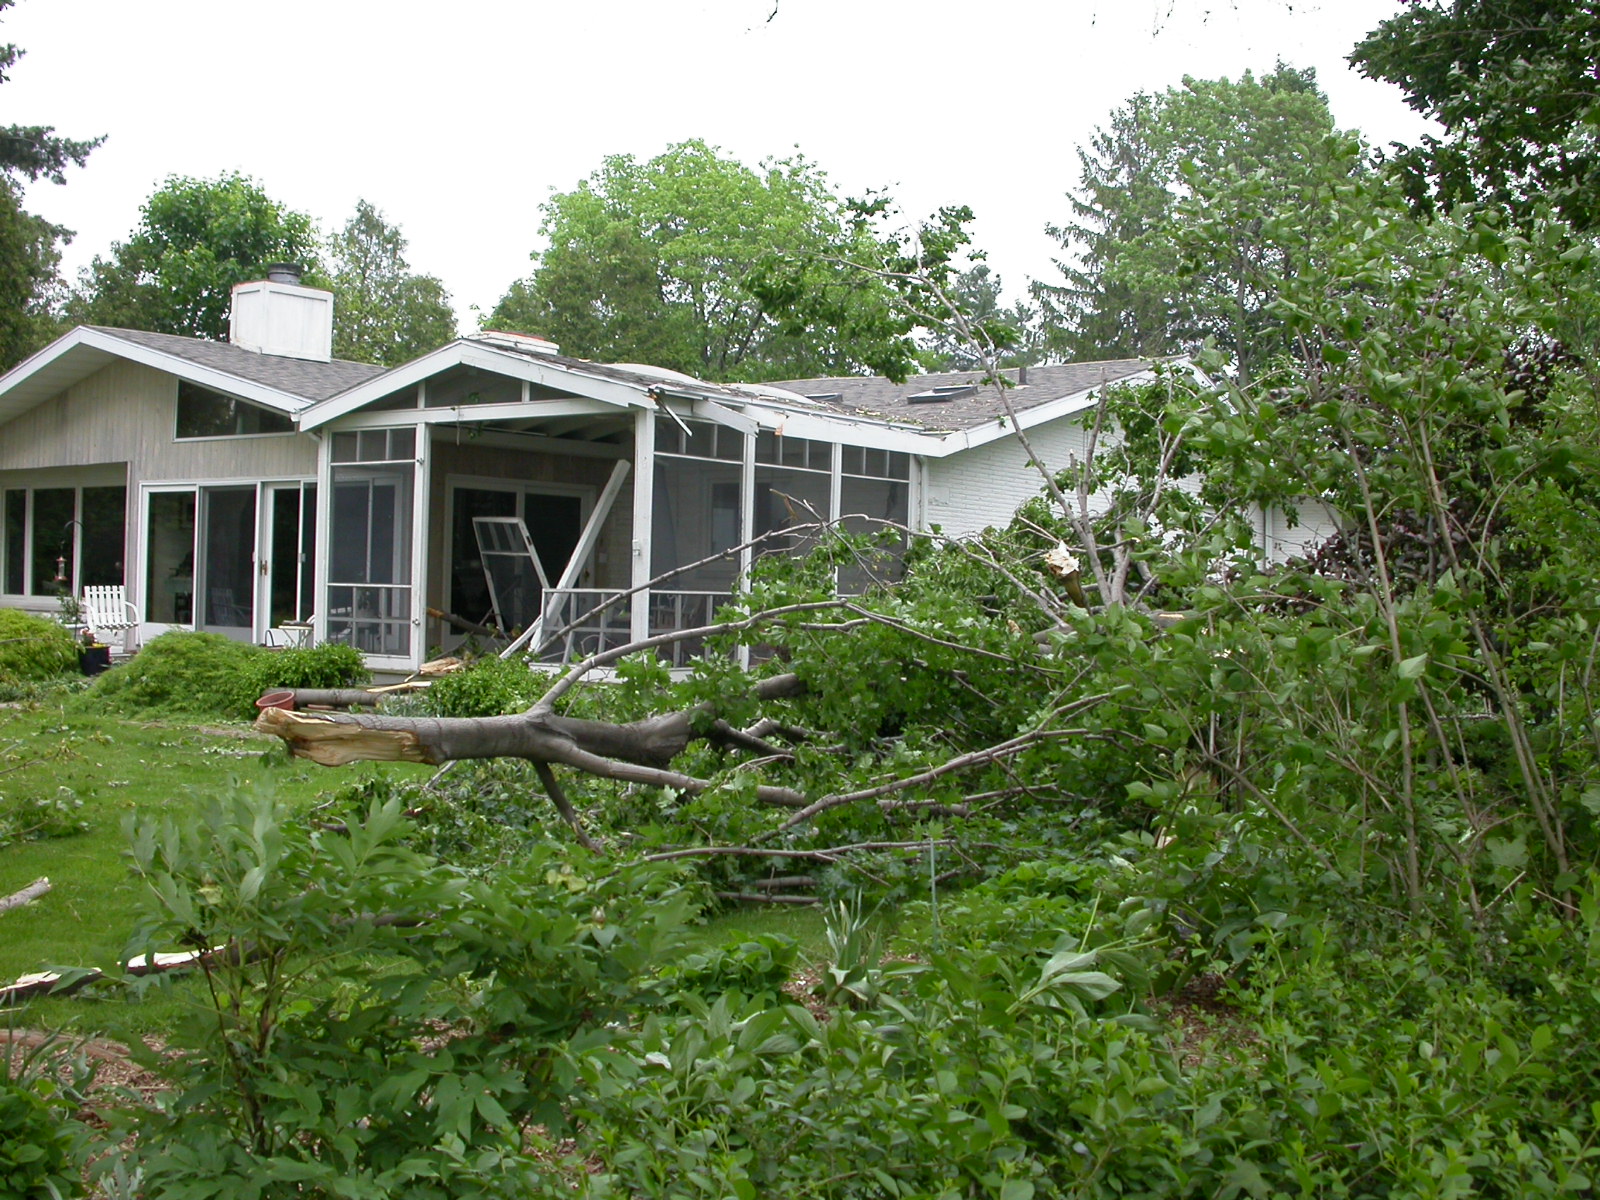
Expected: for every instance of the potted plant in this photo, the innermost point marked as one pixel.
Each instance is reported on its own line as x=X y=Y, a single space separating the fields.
x=93 y=657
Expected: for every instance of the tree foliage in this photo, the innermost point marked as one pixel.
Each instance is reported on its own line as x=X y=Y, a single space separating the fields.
x=1126 y=288
x=1513 y=84
x=383 y=312
x=651 y=262
x=196 y=239
x=30 y=254
x=976 y=293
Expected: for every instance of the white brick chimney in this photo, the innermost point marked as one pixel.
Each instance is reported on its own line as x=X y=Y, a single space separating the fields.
x=277 y=315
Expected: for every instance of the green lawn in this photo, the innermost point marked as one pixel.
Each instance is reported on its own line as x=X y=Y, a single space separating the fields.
x=116 y=768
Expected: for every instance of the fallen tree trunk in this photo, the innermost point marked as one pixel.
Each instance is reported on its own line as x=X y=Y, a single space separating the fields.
x=635 y=752
x=338 y=697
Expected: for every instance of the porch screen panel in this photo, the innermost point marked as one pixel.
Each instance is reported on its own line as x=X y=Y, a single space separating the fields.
x=874 y=498
x=55 y=536
x=793 y=488
x=369 y=563
x=294 y=539
x=698 y=513
x=16 y=543
x=228 y=548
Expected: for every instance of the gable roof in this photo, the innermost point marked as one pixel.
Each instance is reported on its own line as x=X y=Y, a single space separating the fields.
x=886 y=400
x=278 y=382
x=304 y=378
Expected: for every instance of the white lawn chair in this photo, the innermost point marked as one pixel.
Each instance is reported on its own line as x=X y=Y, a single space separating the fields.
x=109 y=614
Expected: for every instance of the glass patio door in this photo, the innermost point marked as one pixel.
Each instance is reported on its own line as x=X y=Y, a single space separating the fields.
x=288 y=555
x=226 y=561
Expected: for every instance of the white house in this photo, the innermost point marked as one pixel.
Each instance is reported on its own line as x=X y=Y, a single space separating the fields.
x=246 y=486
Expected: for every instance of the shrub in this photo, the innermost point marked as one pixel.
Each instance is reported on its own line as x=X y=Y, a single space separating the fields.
x=33 y=648
x=286 y=1087
x=330 y=665
x=41 y=1142
x=490 y=687
x=189 y=674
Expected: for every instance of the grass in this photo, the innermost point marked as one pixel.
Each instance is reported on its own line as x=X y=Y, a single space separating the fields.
x=114 y=768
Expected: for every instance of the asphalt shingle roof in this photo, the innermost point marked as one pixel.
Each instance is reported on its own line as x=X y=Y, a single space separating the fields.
x=874 y=396
x=305 y=378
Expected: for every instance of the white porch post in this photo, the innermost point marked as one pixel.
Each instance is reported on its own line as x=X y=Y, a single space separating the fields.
x=420 y=508
x=644 y=492
x=319 y=587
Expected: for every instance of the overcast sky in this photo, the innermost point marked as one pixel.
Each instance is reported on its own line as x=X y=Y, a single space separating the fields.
x=458 y=119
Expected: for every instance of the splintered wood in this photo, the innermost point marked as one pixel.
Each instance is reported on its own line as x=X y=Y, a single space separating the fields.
x=338 y=743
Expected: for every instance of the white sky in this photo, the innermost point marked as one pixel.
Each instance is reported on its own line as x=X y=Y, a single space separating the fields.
x=457 y=120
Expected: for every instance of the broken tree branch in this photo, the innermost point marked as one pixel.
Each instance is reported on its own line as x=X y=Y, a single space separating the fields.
x=26 y=895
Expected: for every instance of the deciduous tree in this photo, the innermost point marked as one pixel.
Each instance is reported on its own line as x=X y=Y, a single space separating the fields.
x=383 y=312
x=1513 y=83
x=196 y=239
x=30 y=289
x=1127 y=288
x=651 y=262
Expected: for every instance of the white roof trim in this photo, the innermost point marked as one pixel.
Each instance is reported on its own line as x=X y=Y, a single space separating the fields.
x=470 y=353
x=1051 y=410
x=56 y=355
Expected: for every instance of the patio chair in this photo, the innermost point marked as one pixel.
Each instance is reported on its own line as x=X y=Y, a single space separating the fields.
x=110 y=615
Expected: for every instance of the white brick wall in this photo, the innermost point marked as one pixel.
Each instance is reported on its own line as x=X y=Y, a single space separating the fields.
x=972 y=490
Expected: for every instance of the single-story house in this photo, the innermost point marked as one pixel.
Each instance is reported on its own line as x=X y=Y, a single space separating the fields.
x=261 y=485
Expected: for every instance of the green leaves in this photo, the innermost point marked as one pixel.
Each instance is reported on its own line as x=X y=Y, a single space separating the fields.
x=196 y=239
x=670 y=261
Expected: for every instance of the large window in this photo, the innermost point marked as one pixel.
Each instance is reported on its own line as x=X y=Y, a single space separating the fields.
x=203 y=413
x=62 y=539
x=369 y=537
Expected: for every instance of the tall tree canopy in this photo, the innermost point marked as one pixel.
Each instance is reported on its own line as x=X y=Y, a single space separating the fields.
x=383 y=313
x=196 y=239
x=29 y=245
x=1127 y=288
x=977 y=293
x=1513 y=82
x=651 y=262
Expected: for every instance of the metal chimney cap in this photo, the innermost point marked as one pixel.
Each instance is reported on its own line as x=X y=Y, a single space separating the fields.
x=284 y=272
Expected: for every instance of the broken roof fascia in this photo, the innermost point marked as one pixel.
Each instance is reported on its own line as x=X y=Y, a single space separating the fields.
x=465 y=352
x=75 y=356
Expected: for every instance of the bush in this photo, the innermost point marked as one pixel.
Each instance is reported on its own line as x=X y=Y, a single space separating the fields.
x=330 y=665
x=42 y=1144
x=187 y=674
x=286 y=1087
x=33 y=648
x=490 y=687
x=208 y=675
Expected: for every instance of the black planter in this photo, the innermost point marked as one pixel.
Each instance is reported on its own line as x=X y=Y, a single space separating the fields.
x=94 y=659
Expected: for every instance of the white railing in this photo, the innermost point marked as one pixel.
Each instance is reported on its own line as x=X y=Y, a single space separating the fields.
x=579 y=622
